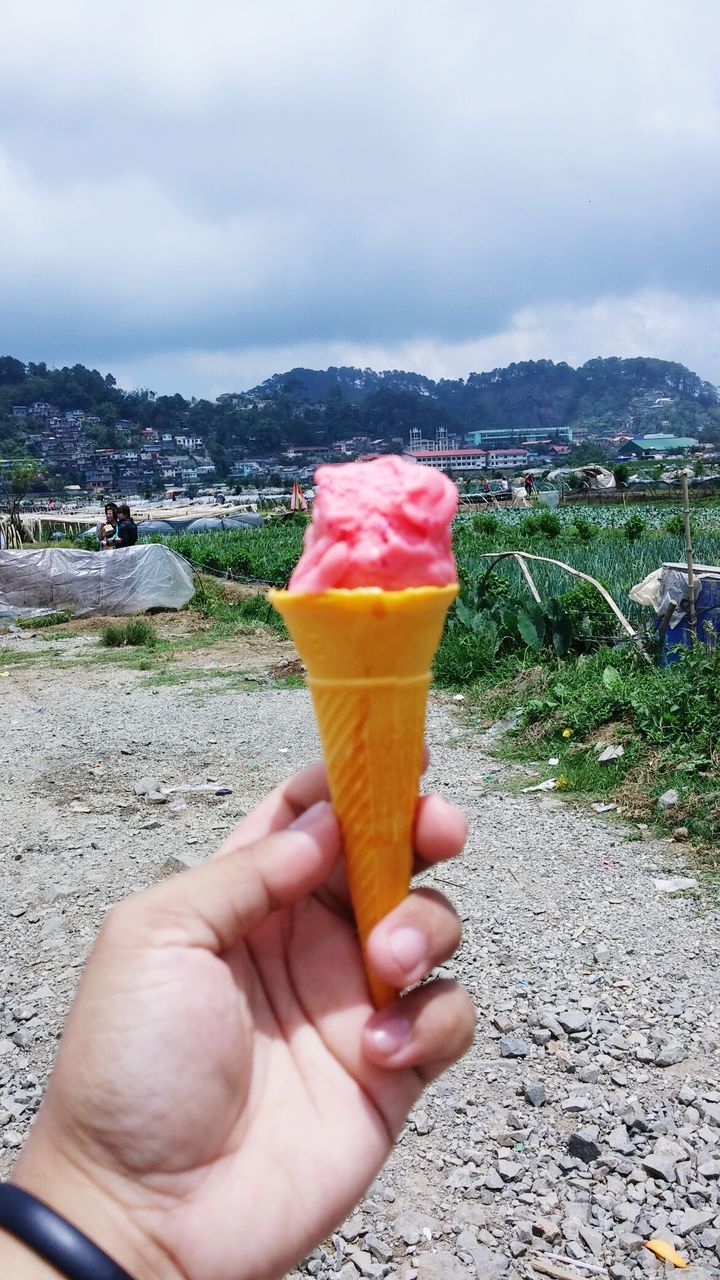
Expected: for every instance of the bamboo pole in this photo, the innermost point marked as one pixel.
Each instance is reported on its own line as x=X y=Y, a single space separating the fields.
x=528 y=577
x=577 y=573
x=689 y=551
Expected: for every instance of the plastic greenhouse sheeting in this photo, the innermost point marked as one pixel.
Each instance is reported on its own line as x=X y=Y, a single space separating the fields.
x=128 y=580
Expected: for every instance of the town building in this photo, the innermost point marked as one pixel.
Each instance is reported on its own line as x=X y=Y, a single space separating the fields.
x=506 y=459
x=506 y=437
x=657 y=446
x=449 y=459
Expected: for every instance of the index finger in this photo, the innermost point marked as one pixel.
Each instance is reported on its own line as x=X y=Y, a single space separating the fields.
x=281 y=807
x=440 y=828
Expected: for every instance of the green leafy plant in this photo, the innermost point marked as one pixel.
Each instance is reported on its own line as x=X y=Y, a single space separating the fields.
x=634 y=528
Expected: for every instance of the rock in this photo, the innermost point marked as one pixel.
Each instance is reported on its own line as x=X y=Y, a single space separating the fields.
x=422 y=1122
x=710 y=1111
x=540 y=1035
x=582 y=1148
x=576 y=1102
x=509 y=1170
x=546 y=1018
x=412 y=1226
x=681 y=835
x=511 y=1047
x=365 y=1265
x=488 y=1263
x=661 y=1161
x=668 y=799
x=378 y=1248
x=534 y=1093
x=503 y=1022
x=352 y=1228
x=440 y=1266
x=547 y=1229
x=676 y=884
x=591 y=1238
x=157 y=797
x=493 y=1181
x=619 y=1140
x=348 y=1271
x=601 y=952
x=572 y=1021
x=670 y=1053
x=12 y=1139
x=694 y=1220
x=466 y=1241
x=589 y=1074
x=710 y=1169
x=146 y=786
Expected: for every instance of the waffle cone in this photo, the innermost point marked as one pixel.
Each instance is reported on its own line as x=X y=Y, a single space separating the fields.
x=368 y=656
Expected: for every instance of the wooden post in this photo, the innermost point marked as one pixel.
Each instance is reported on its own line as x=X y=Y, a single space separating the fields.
x=689 y=552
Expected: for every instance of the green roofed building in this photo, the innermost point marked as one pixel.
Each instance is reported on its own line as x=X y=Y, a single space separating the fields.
x=657 y=446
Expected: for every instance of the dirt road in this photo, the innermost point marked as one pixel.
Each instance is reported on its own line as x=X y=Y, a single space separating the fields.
x=562 y=1133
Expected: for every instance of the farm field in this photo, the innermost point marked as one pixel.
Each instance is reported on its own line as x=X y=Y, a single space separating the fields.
x=565 y=669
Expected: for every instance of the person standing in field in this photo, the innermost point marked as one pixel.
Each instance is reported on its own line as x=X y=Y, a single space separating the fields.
x=126 y=534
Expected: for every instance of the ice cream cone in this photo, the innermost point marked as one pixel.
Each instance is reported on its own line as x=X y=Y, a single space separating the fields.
x=368 y=654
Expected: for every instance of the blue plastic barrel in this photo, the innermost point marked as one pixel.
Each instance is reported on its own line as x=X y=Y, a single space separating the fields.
x=707 y=608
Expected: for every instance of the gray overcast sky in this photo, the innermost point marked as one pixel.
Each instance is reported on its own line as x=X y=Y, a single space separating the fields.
x=195 y=194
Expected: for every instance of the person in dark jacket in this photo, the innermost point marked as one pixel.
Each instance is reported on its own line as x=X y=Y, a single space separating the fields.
x=126 y=534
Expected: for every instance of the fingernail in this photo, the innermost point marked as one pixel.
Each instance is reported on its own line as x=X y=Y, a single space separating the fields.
x=390 y=1034
x=312 y=817
x=408 y=947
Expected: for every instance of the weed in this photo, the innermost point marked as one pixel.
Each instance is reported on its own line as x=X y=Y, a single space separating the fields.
x=136 y=632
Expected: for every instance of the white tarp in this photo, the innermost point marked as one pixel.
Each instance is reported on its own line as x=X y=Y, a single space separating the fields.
x=594 y=476
x=127 y=580
x=669 y=586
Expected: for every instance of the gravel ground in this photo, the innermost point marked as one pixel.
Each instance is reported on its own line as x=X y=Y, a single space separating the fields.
x=586 y=1119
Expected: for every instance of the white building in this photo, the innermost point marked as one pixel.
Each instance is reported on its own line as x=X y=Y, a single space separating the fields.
x=506 y=459
x=449 y=459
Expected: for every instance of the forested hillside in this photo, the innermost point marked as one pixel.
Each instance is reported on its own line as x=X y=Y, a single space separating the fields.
x=306 y=406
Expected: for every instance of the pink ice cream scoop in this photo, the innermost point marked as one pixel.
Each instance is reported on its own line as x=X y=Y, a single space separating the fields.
x=384 y=524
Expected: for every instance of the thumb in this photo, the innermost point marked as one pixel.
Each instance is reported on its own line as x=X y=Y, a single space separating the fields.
x=215 y=905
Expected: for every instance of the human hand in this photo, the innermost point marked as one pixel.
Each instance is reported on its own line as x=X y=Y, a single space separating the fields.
x=224 y=1091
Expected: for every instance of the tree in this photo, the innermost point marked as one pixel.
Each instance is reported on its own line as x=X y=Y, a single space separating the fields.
x=622 y=474
x=16 y=483
x=12 y=371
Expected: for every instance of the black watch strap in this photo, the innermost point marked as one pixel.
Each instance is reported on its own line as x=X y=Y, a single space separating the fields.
x=53 y=1238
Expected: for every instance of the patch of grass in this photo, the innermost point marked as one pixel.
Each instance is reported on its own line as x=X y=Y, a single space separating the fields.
x=24 y=658
x=45 y=620
x=228 y=613
x=666 y=718
x=138 y=631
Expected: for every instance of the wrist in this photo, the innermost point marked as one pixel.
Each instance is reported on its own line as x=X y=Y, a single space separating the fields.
x=97 y=1203
x=21 y=1262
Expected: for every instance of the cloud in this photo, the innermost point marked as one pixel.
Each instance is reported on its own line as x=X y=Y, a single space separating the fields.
x=445 y=181
x=650 y=324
